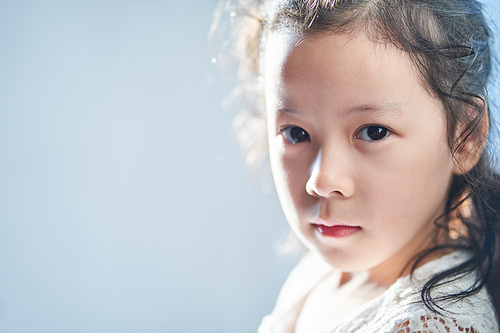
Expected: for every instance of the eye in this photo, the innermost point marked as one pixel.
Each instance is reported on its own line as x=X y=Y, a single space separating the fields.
x=372 y=133
x=294 y=134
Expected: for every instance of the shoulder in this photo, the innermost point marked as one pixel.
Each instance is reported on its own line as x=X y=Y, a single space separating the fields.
x=473 y=314
x=401 y=310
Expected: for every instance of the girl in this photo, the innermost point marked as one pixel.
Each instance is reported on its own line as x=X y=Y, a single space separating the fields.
x=377 y=125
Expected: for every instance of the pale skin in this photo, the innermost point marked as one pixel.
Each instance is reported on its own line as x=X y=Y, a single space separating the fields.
x=338 y=90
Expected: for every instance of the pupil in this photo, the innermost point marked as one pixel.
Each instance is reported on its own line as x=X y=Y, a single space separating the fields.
x=298 y=134
x=376 y=132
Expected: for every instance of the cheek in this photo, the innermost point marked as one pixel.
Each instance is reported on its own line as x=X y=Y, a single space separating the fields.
x=290 y=174
x=408 y=183
x=291 y=169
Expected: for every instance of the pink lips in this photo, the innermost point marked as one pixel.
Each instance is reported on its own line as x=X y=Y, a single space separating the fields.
x=338 y=230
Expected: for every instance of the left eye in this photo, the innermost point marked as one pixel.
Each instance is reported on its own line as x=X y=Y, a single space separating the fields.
x=372 y=133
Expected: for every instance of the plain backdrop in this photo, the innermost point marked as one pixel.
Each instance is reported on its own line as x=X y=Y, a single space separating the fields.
x=125 y=205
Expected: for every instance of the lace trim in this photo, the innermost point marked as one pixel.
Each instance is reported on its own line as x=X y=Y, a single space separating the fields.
x=433 y=324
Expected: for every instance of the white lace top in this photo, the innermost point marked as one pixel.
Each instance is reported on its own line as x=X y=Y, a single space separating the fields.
x=398 y=309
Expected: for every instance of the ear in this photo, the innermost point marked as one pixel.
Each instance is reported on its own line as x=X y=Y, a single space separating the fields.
x=471 y=137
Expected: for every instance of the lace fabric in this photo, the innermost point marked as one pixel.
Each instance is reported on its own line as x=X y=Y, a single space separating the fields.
x=431 y=323
x=400 y=309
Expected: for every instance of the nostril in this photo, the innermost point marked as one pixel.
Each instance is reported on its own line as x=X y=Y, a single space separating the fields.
x=313 y=192
x=312 y=189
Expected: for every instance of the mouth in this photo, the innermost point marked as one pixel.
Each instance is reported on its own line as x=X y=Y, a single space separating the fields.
x=337 y=231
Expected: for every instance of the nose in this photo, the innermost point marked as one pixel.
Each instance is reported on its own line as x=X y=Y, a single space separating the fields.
x=330 y=176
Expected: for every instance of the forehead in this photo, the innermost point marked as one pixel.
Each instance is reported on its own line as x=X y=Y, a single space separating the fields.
x=343 y=65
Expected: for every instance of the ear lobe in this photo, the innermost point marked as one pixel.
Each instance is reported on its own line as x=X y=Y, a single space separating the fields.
x=471 y=137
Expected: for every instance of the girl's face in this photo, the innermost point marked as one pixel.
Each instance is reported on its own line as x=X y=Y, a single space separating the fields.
x=358 y=150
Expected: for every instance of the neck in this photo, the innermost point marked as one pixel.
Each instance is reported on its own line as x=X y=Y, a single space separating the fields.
x=401 y=264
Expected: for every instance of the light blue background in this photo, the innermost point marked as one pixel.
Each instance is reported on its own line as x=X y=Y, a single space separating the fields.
x=124 y=203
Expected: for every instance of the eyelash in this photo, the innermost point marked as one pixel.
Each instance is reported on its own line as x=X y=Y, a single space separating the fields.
x=376 y=130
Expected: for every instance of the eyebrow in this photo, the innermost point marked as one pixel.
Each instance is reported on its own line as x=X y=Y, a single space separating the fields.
x=392 y=108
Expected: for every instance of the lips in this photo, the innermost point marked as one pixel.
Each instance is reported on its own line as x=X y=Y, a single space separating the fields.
x=338 y=230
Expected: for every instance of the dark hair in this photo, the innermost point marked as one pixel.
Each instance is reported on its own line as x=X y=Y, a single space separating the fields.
x=449 y=44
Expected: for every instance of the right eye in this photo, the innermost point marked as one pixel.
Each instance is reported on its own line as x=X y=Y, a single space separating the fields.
x=294 y=134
